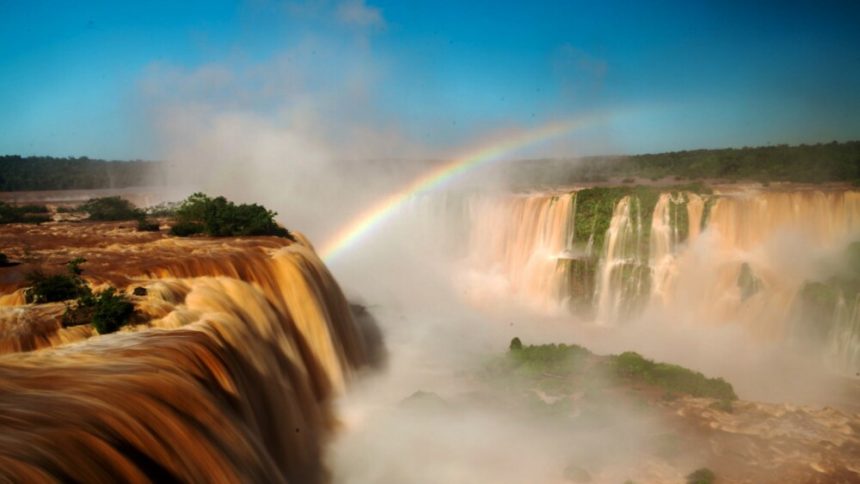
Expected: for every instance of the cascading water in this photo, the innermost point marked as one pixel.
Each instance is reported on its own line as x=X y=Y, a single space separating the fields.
x=618 y=279
x=739 y=257
x=228 y=381
x=521 y=239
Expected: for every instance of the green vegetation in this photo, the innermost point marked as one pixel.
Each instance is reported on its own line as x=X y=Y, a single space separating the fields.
x=27 y=214
x=146 y=225
x=547 y=367
x=595 y=206
x=567 y=360
x=592 y=219
x=706 y=211
x=828 y=303
x=46 y=288
x=701 y=476
x=570 y=382
x=117 y=209
x=218 y=217
x=111 y=209
x=580 y=278
x=186 y=229
x=107 y=310
x=111 y=311
x=633 y=367
x=542 y=359
x=748 y=283
x=34 y=209
x=46 y=173
x=833 y=162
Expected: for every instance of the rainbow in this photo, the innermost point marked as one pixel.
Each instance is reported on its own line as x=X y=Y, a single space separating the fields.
x=383 y=209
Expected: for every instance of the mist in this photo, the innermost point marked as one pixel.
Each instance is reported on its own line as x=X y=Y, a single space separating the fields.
x=308 y=132
x=320 y=151
x=463 y=242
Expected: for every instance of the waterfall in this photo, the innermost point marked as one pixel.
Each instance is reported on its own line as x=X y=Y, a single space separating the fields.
x=620 y=278
x=229 y=378
x=522 y=239
x=732 y=257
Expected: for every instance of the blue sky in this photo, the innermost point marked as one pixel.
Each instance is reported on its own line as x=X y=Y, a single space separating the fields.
x=76 y=77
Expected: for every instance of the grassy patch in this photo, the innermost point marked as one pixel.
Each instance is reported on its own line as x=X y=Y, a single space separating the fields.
x=550 y=359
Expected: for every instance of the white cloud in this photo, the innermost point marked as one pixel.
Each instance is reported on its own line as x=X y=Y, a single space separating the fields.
x=359 y=14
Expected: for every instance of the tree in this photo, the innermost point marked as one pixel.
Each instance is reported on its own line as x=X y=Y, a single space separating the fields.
x=111 y=209
x=46 y=288
x=219 y=217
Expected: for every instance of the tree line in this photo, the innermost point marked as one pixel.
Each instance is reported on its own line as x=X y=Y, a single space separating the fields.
x=813 y=163
x=817 y=163
x=19 y=173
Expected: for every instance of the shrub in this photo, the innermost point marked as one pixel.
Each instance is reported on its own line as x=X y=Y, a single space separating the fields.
x=107 y=311
x=27 y=214
x=516 y=344
x=45 y=288
x=671 y=378
x=34 y=209
x=552 y=358
x=185 y=229
x=144 y=225
x=110 y=209
x=111 y=311
x=218 y=217
x=701 y=476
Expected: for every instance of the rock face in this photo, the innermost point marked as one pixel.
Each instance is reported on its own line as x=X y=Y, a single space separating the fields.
x=228 y=379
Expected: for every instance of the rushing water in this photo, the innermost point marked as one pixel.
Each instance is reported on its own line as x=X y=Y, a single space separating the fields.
x=737 y=257
x=229 y=381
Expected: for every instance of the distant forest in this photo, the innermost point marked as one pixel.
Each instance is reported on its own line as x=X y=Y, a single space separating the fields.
x=818 y=163
x=47 y=173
